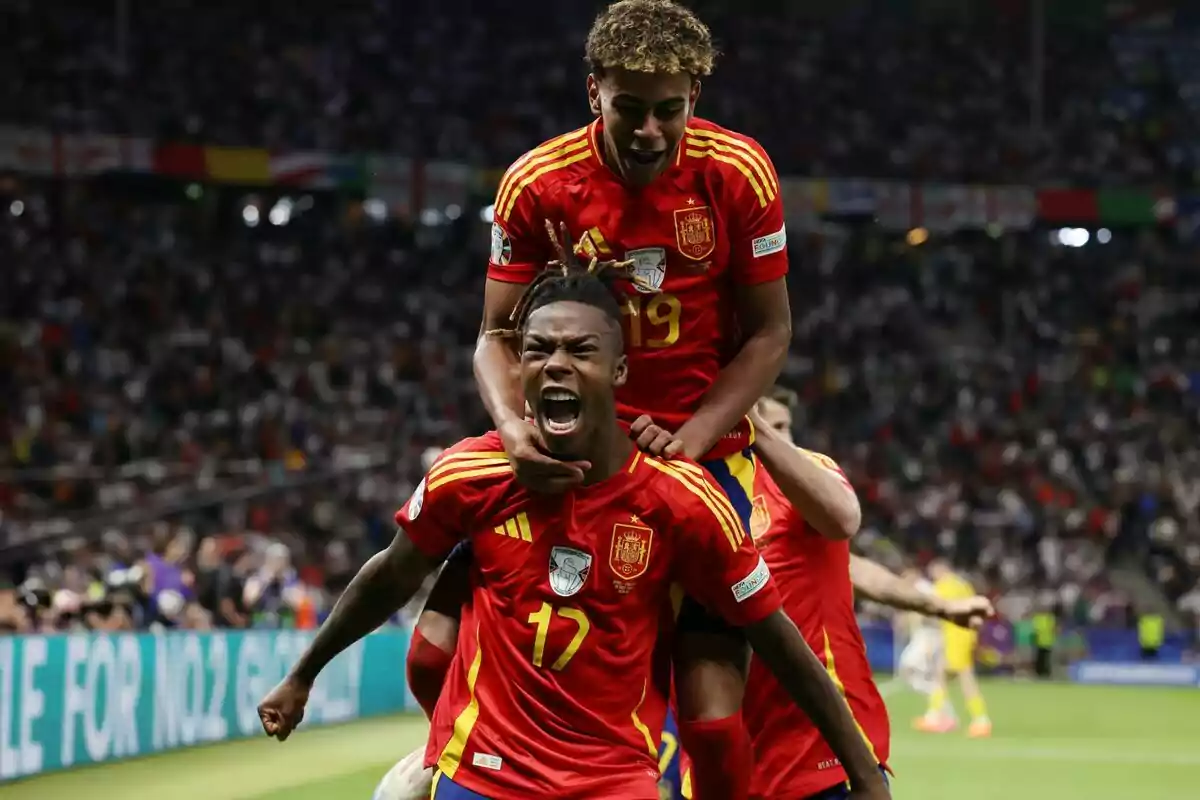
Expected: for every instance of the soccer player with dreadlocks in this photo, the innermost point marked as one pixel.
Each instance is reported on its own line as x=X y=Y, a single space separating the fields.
x=554 y=691
x=695 y=207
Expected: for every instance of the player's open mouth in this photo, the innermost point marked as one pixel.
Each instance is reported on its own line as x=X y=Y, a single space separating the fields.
x=644 y=158
x=560 y=410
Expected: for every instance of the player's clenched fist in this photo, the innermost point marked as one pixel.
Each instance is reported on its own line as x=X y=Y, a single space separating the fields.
x=283 y=709
x=969 y=612
x=653 y=439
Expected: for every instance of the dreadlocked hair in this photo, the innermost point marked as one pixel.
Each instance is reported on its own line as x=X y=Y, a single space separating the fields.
x=598 y=284
x=650 y=36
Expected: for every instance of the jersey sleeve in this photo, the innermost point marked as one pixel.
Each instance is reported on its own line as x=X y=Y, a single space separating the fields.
x=520 y=244
x=717 y=562
x=437 y=515
x=759 y=235
x=828 y=464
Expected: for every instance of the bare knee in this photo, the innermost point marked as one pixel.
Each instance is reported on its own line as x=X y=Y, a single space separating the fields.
x=440 y=630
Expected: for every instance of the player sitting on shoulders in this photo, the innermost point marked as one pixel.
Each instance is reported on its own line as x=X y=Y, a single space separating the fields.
x=553 y=692
x=696 y=208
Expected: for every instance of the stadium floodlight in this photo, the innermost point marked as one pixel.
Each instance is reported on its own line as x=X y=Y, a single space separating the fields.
x=375 y=208
x=431 y=217
x=453 y=211
x=1104 y=236
x=250 y=216
x=1073 y=237
x=487 y=214
x=17 y=208
x=281 y=212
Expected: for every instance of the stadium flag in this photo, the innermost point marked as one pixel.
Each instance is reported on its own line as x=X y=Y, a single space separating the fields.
x=390 y=179
x=27 y=151
x=1067 y=205
x=442 y=184
x=306 y=168
x=1127 y=207
x=238 y=165
x=180 y=161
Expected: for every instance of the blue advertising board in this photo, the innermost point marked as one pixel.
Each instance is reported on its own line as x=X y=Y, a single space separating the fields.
x=83 y=699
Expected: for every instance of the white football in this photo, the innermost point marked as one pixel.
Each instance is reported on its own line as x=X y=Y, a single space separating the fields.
x=408 y=780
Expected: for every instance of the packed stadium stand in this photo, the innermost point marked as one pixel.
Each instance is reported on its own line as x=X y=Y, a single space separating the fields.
x=205 y=356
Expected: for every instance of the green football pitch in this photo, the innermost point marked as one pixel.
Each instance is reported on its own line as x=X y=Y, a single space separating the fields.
x=1052 y=741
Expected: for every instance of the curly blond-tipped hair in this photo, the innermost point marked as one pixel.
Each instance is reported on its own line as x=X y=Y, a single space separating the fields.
x=650 y=36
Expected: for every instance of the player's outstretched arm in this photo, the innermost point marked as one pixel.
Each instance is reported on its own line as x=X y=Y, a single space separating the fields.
x=878 y=583
x=385 y=583
x=381 y=588
x=781 y=647
x=765 y=318
x=816 y=489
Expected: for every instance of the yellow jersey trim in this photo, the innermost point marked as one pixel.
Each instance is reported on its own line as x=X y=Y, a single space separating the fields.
x=698 y=477
x=721 y=510
x=761 y=166
x=831 y=668
x=452 y=753
x=557 y=154
x=737 y=164
x=642 y=727
x=481 y=472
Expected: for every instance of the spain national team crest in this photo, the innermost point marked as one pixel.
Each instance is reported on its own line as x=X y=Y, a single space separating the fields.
x=650 y=265
x=694 y=232
x=760 y=518
x=569 y=569
x=630 y=554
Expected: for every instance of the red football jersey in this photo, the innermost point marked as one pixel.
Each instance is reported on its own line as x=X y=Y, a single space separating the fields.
x=551 y=692
x=711 y=221
x=791 y=759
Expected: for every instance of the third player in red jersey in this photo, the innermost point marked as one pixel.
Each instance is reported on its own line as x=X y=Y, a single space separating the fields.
x=811 y=561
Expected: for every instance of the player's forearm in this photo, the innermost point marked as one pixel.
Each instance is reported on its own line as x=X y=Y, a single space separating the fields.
x=781 y=647
x=385 y=583
x=739 y=386
x=880 y=584
x=496 y=365
x=820 y=495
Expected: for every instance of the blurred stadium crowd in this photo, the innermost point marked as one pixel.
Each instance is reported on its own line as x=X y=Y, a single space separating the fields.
x=212 y=423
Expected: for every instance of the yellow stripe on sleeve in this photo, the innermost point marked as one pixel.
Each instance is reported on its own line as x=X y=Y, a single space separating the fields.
x=696 y=476
x=481 y=472
x=739 y=155
x=733 y=533
x=505 y=207
x=737 y=164
x=760 y=163
x=517 y=166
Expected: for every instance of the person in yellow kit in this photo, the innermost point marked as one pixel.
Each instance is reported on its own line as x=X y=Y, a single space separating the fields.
x=959 y=661
x=1045 y=634
x=1150 y=635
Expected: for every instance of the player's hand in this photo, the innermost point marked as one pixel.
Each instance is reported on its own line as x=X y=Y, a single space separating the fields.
x=534 y=468
x=653 y=439
x=970 y=612
x=283 y=709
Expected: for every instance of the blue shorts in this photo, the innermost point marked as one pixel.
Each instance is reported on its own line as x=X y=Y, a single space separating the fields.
x=446 y=789
x=735 y=475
